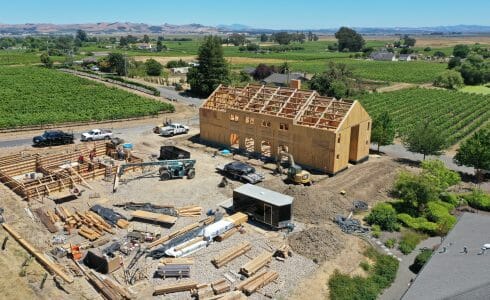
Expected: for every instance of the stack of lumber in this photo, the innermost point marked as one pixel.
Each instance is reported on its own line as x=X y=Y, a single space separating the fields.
x=189 y=211
x=50 y=266
x=203 y=291
x=154 y=217
x=177 y=261
x=174 y=288
x=220 y=286
x=252 y=284
x=226 y=234
x=231 y=254
x=108 y=288
x=180 y=232
x=91 y=226
x=48 y=218
x=256 y=264
x=234 y=295
x=237 y=218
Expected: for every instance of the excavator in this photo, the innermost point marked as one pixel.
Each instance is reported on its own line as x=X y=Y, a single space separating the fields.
x=295 y=173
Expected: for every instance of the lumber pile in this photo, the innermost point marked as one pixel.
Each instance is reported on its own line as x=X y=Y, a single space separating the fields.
x=154 y=217
x=233 y=295
x=90 y=225
x=231 y=254
x=256 y=264
x=220 y=286
x=203 y=291
x=180 y=232
x=108 y=288
x=237 y=218
x=50 y=266
x=226 y=234
x=48 y=219
x=174 y=288
x=177 y=261
x=189 y=211
x=252 y=284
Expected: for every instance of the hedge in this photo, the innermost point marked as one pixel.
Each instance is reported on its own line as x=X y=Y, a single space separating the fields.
x=419 y=224
x=409 y=241
x=478 y=199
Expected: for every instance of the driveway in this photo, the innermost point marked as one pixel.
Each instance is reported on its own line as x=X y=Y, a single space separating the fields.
x=171 y=93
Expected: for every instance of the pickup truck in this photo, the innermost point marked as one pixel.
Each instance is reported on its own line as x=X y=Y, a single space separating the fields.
x=53 y=137
x=173 y=129
x=96 y=134
x=238 y=170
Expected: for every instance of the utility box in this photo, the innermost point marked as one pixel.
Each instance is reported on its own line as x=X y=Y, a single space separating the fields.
x=172 y=152
x=263 y=205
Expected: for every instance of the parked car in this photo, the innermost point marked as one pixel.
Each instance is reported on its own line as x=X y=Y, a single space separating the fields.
x=53 y=137
x=241 y=171
x=96 y=134
x=173 y=129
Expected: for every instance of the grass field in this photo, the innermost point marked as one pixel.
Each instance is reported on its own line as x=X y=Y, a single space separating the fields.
x=478 y=89
x=455 y=114
x=35 y=95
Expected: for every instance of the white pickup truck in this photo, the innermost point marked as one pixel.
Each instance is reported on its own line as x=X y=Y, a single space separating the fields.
x=173 y=129
x=96 y=134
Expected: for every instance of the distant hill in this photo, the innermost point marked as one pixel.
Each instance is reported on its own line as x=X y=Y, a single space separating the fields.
x=106 y=28
x=142 y=28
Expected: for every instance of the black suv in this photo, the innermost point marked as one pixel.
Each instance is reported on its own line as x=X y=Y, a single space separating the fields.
x=53 y=137
x=241 y=171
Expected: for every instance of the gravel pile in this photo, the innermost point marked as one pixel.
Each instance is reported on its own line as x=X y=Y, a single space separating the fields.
x=317 y=243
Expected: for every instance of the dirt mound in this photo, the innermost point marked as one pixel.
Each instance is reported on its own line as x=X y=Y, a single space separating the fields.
x=318 y=243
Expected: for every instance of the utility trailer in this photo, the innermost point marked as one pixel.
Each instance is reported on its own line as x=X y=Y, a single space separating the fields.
x=172 y=153
x=265 y=206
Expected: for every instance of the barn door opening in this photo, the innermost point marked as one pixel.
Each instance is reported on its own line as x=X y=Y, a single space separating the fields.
x=354 y=142
x=265 y=148
x=250 y=144
x=234 y=141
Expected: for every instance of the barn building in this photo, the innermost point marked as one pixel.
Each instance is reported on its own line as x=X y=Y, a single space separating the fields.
x=321 y=133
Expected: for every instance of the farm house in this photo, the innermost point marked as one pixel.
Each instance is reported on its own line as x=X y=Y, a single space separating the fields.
x=322 y=133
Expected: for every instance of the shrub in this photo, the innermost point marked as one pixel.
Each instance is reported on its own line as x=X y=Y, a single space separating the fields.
x=365 y=266
x=478 y=199
x=419 y=224
x=409 y=241
x=420 y=260
x=376 y=231
x=385 y=270
x=439 y=173
x=384 y=215
x=390 y=243
x=450 y=198
x=416 y=189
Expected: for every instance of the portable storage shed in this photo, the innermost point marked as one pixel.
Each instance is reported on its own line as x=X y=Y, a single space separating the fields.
x=263 y=205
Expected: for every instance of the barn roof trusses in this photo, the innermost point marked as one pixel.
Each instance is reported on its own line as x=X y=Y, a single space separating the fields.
x=306 y=108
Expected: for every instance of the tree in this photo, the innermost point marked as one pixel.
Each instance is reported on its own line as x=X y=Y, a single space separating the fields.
x=461 y=51
x=46 y=60
x=153 y=67
x=449 y=79
x=212 y=70
x=336 y=81
x=262 y=71
x=237 y=39
x=176 y=64
x=408 y=41
x=282 y=38
x=475 y=70
x=383 y=130
x=415 y=190
x=475 y=152
x=439 y=54
x=424 y=138
x=284 y=68
x=420 y=260
x=123 y=41
x=349 y=39
x=264 y=38
x=118 y=63
x=454 y=62
x=146 y=38
x=427 y=49
x=160 y=46
x=81 y=35
x=384 y=215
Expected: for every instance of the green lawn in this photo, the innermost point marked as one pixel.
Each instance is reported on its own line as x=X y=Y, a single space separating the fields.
x=35 y=95
x=477 y=89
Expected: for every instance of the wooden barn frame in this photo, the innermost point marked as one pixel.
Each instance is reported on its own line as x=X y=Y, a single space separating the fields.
x=322 y=133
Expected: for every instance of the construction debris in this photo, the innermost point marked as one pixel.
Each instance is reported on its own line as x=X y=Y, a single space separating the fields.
x=108 y=214
x=359 y=206
x=50 y=266
x=48 y=220
x=174 y=288
x=349 y=225
x=153 y=217
x=252 y=284
x=256 y=264
x=283 y=251
x=231 y=254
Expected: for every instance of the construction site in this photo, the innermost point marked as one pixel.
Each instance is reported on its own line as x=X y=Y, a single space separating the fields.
x=139 y=225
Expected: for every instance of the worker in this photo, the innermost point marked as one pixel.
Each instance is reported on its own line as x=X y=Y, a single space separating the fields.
x=92 y=155
x=120 y=153
x=465 y=250
x=81 y=158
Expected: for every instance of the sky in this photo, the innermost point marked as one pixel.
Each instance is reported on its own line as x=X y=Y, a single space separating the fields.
x=271 y=14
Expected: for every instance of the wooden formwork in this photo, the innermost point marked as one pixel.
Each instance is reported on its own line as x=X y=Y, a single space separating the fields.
x=58 y=171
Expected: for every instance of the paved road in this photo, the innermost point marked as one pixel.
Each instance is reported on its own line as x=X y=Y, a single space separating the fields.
x=404 y=275
x=170 y=93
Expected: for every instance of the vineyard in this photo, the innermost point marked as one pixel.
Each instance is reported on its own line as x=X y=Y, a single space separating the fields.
x=455 y=114
x=34 y=96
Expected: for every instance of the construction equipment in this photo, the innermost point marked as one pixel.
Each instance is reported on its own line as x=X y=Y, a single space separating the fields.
x=295 y=173
x=169 y=169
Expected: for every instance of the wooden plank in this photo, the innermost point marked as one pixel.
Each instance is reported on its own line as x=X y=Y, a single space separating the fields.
x=50 y=266
x=256 y=264
x=231 y=254
x=150 y=216
x=174 y=288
